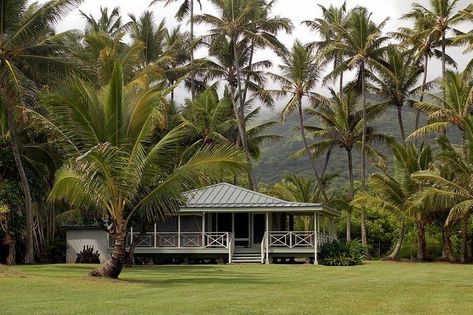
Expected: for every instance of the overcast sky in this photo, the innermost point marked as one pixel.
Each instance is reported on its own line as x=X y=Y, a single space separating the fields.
x=296 y=10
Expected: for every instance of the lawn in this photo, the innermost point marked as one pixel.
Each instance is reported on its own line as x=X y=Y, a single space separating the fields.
x=376 y=287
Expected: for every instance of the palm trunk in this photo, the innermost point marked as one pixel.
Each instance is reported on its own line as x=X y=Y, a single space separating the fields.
x=351 y=193
x=113 y=266
x=464 y=249
x=341 y=79
x=29 y=255
x=10 y=241
x=401 y=124
x=443 y=76
x=447 y=251
x=422 y=254
x=191 y=9
x=250 y=66
x=363 y=157
x=307 y=151
x=239 y=109
x=395 y=253
x=424 y=82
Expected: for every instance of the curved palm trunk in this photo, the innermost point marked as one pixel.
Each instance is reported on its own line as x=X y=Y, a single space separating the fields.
x=401 y=124
x=191 y=9
x=395 y=253
x=351 y=193
x=447 y=251
x=422 y=253
x=309 y=156
x=424 y=82
x=113 y=266
x=240 y=115
x=29 y=255
x=363 y=156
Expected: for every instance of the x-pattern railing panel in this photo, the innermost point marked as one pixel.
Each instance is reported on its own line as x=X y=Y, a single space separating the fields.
x=191 y=240
x=216 y=240
x=166 y=240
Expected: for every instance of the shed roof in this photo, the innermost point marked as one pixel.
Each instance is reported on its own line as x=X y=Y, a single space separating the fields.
x=228 y=196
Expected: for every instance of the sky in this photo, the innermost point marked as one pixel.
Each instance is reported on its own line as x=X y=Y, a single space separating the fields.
x=296 y=10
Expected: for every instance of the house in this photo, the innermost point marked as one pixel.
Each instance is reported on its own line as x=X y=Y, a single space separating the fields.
x=222 y=222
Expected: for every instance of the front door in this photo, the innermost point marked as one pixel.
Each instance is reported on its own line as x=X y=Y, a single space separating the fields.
x=242 y=229
x=259 y=225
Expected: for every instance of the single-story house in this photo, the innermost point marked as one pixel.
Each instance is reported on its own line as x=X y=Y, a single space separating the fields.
x=223 y=222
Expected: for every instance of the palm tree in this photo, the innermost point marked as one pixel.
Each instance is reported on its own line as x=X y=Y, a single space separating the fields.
x=298 y=76
x=242 y=20
x=31 y=54
x=107 y=23
x=466 y=38
x=328 y=28
x=186 y=8
x=341 y=126
x=451 y=192
x=444 y=16
x=116 y=170
x=362 y=45
x=395 y=81
x=396 y=194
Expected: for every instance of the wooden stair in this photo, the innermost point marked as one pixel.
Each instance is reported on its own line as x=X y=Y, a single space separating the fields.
x=246 y=258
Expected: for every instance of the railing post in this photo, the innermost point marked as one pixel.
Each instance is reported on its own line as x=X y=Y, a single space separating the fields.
x=131 y=237
x=267 y=238
x=315 y=239
x=290 y=239
x=203 y=230
x=178 y=231
x=155 y=235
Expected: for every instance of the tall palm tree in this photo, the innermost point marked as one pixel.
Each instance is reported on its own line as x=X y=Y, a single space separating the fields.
x=466 y=38
x=186 y=9
x=362 y=45
x=110 y=23
x=328 y=28
x=299 y=74
x=395 y=81
x=31 y=54
x=444 y=13
x=396 y=193
x=341 y=126
x=116 y=170
x=240 y=20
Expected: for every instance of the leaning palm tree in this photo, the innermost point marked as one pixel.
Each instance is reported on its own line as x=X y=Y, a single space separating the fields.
x=118 y=170
x=242 y=20
x=31 y=53
x=396 y=193
x=299 y=74
x=395 y=80
x=328 y=28
x=341 y=126
x=363 y=43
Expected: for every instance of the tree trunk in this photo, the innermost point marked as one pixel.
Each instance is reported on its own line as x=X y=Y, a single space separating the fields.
x=307 y=151
x=447 y=251
x=240 y=115
x=401 y=124
x=397 y=249
x=443 y=76
x=424 y=82
x=363 y=157
x=10 y=241
x=422 y=253
x=191 y=9
x=464 y=249
x=341 y=80
x=113 y=266
x=351 y=193
x=29 y=255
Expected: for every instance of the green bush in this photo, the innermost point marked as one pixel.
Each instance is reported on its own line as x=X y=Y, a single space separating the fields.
x=341 y=253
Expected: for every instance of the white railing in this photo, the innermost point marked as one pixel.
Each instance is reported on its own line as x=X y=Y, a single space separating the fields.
x=230 y=246
x=296 y=239
x=263 y=248
x=178 y=240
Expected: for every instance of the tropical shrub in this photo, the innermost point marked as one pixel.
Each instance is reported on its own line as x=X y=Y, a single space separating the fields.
x=342 y=253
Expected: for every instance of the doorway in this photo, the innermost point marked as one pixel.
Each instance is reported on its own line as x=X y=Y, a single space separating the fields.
x=259 y=226
x=242 y=229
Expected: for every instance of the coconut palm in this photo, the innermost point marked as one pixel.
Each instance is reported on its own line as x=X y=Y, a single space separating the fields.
x=118 y=170
x=242 y=20
x=395 y=81
x=396 y=193
x=328 y=28
x=466 y=38
x=362 y=44
x=299 y=74
x=32 y=53
x=341 y=126
x=108 y=23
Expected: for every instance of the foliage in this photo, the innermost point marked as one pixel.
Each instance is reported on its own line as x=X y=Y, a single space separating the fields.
x=342 y=253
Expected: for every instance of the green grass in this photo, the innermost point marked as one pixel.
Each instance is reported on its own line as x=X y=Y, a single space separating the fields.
x=376 y=287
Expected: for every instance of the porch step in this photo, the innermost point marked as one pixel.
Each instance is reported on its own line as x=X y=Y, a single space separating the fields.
x=246 y=258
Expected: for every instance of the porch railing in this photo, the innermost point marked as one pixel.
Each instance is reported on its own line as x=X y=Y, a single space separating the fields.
x=178 y=240
x=296 y=239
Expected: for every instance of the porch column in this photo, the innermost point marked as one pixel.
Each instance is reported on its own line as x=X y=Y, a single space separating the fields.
x=266 y=239
x=203 y=229
x=316 y=262
x=178 y=231
x=155 y=235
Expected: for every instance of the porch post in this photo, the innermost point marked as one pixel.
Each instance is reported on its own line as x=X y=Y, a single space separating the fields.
x=155 y=235
x=266 y=239
x=203 y=230
x=316 y=262
x=178 y=231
